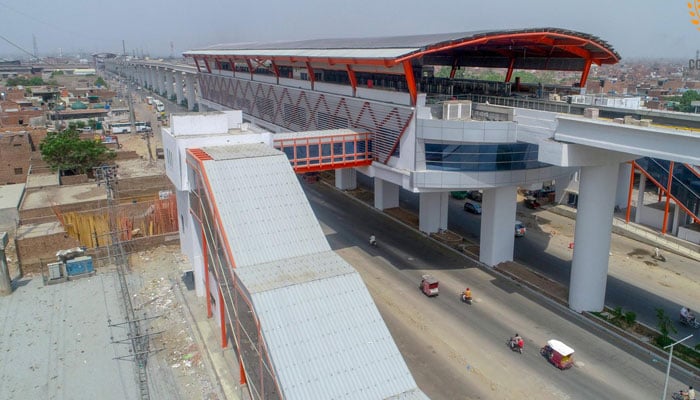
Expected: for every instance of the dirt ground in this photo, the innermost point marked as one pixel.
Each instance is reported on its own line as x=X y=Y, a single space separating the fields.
x=178 y=369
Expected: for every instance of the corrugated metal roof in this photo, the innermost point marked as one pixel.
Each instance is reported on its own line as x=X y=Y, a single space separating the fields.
x=293 y=271
x=327 y=340
x=324 y=334
x=261 y=204
x=374 y=47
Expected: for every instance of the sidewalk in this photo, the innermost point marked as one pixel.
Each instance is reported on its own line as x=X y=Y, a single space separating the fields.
x=221 y=362
x=640 y=233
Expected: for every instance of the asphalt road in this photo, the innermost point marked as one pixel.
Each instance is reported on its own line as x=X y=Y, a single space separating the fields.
x=624 y=289
x=459 y=351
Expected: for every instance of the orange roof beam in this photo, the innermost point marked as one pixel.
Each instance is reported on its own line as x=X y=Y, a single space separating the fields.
x=312 y=77
x=410 y=81
x=353 y=79
x=584 y=75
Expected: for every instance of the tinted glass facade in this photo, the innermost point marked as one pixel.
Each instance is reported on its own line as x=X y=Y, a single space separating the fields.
x=482 y=157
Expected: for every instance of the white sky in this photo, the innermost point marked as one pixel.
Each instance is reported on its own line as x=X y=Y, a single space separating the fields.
x=642 y=28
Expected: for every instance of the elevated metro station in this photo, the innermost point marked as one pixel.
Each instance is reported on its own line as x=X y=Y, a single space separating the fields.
x=410 y=130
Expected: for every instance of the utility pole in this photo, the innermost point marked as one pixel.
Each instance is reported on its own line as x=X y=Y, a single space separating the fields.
x=36 y=48
x=5 y=279
x=137 y=337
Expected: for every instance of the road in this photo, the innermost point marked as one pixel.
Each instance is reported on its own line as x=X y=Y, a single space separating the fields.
x=636 y=282
x=459 y=351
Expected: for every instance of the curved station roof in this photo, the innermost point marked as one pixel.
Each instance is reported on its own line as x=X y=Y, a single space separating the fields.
x=536 y=48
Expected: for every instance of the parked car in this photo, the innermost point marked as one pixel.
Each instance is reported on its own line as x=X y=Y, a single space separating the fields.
x=475 y=195
x=473 y=208
x=459 y=195
x=519 y=229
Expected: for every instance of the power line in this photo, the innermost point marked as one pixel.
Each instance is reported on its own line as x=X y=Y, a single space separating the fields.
x=16 y=45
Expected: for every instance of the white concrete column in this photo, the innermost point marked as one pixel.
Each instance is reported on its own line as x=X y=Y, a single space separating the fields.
x=386 y=194
x=160 y=81
x=346 y=179
x=676 y=218
x=432 y=213
x=623 y=185
x=189 y=84
x=179 y=93
x=589 y=267
x=497 y=225
x=169 y=90
x=640 y=198
x=152 y=79
x=560 y=186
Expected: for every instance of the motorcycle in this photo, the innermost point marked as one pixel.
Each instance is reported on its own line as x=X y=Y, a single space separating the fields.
x=466 y=299
x=372 y=241
x=515 y=345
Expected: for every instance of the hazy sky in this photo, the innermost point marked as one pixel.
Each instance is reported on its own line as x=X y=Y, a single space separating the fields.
x=641 y=28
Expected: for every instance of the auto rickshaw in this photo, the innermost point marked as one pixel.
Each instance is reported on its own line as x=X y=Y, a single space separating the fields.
x=429 y=285
x=558 y=353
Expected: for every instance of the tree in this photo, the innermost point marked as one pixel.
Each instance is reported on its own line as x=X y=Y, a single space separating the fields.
x=101 y=82
x=66 y=151
x=688 y=97
x=23 y=81
x=665 y=327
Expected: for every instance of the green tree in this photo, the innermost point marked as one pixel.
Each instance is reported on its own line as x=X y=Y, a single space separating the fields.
x=101 y=82
x=665 y=327
x=66 y=151
x=23 y=81
x=685 y=100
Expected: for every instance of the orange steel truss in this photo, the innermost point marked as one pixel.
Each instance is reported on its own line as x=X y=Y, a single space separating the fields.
x=663 y=190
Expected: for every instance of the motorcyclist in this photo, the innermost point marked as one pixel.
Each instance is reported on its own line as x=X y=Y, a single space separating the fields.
x=516 y=341
x=467 y=294
x=372 y=240
x=687 y=315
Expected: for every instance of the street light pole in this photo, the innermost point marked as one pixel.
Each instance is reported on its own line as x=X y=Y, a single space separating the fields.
x=668 y=369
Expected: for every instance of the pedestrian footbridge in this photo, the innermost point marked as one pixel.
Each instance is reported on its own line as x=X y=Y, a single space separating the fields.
x=314 y=151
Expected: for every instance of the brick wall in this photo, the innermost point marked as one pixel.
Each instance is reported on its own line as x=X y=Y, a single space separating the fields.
x=73 y=179
x=15 y=153
x=32 y=251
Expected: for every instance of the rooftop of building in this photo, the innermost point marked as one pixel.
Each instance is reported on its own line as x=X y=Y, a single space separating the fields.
x=564 y=49
x=11 y=195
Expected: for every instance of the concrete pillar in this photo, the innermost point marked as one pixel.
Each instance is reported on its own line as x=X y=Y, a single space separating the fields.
x=189 y=84
x=386 y=194
x=497 y=225
x=142 y=76
x=640 y=198
x=159 y=84
x=560 y=186
x=432 y=213
x=676 y=219
x=623 y=185
x=346 y=179
x=179 y=92
x=151 y=80
x=5 y=279
x=589 y=267
x=169 y=90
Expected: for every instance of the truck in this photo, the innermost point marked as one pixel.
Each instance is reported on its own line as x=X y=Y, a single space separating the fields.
x=149 y=100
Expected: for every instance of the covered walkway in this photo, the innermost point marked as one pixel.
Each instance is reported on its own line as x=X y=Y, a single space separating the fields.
x=302 y=320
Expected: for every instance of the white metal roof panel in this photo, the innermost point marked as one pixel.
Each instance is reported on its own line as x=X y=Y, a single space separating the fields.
x=313 y=53
x=327 y=340
x=262 y=207
x=240 y=151
x=293 y=271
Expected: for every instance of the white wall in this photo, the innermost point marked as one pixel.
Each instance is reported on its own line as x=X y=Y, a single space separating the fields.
x=466 y=131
